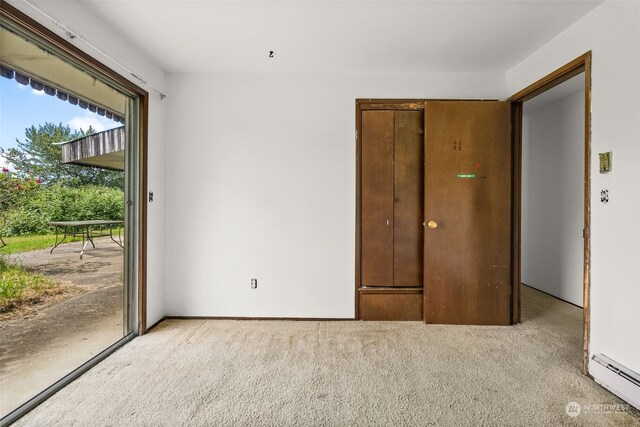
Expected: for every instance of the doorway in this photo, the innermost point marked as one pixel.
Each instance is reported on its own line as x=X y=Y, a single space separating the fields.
x=552 y=191
x=566 y=91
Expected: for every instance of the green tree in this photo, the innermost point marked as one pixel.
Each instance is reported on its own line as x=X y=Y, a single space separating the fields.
x=40 y=157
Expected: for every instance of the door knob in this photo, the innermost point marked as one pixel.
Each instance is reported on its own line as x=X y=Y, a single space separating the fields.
x=432 y=224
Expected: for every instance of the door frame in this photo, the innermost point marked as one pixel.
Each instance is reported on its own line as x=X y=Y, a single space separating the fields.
x=571 y=69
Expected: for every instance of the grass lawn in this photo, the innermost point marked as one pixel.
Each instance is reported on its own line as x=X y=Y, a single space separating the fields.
x=19 y=287
x=30 y=243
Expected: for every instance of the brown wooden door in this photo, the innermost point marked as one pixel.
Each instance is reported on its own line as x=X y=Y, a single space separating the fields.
x=467 y=255
x=408 y=198
x=377 y=197
x=392 y=198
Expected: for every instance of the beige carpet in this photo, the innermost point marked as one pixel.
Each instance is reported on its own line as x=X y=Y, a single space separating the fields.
x=273 y=373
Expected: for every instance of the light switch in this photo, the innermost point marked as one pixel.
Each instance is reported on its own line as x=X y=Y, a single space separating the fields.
x=605 y=162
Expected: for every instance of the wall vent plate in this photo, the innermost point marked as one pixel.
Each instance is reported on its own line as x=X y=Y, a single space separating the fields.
x=605 y=162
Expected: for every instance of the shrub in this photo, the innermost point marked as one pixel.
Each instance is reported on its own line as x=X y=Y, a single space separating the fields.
x=60 y=203
x=16 y=188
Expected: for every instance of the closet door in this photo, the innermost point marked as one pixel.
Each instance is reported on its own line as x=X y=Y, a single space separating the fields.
x=408 y=196
x=392 y=198
x=468 y=212
x=377 y=197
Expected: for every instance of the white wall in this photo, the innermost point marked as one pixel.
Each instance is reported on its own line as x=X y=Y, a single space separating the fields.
x=612 y=32
x=78 y=18
x=261 y=178
x=552 y=197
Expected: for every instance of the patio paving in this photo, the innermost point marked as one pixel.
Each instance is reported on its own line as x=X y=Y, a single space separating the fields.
x=102 y=266
x=40 y=347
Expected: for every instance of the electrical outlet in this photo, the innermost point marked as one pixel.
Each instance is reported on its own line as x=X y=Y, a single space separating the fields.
x=254 y=283
x=604 y=196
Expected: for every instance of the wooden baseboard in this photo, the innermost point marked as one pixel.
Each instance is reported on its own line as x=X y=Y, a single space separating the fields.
x=302 y=319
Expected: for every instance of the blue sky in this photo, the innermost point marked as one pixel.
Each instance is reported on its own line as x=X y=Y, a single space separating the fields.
x=21 y=107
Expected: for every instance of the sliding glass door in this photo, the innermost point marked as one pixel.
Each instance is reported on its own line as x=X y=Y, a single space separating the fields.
x=70 y=212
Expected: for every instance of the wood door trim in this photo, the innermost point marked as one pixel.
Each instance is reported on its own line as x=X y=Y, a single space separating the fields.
x=358 y=254
x=390 y=104
x=39 y=31
x=516 y=211
x=562 y=74
x=404 y=104
x=583 y=63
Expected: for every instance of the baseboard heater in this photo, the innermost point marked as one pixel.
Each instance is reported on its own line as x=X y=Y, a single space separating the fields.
x=619 y=380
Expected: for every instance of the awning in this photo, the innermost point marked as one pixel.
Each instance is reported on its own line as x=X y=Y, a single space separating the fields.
x=30 y=64
x=104 y=150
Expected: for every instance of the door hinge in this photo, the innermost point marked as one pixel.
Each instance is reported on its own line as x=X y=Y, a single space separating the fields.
x=356 y=133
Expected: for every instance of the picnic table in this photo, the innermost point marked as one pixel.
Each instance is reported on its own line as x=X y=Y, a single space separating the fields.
x=88 y=230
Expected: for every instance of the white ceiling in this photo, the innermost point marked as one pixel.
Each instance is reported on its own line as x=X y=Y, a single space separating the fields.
x=209 y=36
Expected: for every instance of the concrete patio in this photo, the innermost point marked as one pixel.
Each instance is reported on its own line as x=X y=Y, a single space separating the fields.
x=48 y=342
